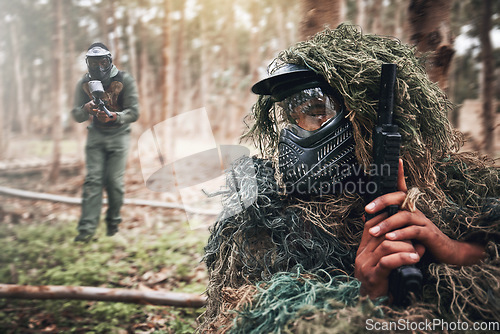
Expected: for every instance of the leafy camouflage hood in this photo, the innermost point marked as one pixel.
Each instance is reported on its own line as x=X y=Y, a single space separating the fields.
x=351 y=63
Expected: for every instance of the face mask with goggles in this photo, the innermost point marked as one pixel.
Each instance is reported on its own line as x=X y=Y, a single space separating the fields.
x=99 y=64
x=316 y=148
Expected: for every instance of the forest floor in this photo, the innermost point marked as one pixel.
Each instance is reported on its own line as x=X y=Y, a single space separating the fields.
x=155 y=249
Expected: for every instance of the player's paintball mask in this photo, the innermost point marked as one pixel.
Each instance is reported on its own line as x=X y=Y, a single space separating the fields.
x=316 y=148
x=99 y=62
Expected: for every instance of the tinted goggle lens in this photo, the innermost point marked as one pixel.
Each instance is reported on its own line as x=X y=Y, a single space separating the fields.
x=310 y=108
x=98 y=62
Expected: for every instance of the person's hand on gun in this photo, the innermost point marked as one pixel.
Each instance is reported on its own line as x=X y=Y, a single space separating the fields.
x=377 y=255
x=387 y=244
x=414 y=225
x=91 y=108
x=104 y=118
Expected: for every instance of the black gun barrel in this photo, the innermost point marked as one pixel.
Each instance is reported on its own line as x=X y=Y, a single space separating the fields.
x=386 y=146
x=386 y=137
x=386 y=98
x=102 y=107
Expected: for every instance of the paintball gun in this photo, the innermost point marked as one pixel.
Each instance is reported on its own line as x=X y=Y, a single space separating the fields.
x=386 y=146
x=97 y=91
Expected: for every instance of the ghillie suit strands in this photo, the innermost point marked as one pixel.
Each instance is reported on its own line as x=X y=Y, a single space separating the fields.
x=287 y=265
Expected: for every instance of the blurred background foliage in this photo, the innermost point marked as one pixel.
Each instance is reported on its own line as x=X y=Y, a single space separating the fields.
x=187 y=54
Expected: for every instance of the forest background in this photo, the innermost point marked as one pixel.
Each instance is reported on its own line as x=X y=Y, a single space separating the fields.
x=185 y=55
x=188 y=54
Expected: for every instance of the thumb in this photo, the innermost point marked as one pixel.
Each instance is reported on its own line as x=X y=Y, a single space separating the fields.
x=401 y=177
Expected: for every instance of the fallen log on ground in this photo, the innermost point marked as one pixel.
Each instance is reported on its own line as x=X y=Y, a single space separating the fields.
x=149 y=297
x=75 y=200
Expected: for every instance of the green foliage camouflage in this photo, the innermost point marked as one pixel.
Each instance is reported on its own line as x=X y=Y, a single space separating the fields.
x=286 y=265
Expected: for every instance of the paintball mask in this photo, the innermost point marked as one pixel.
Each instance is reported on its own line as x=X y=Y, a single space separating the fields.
x=316 y=148
x=99 y=63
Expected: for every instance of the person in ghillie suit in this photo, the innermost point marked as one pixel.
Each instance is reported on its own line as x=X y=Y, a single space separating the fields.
x=302 y=259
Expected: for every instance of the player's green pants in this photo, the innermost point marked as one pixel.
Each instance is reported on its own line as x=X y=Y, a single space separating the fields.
x=106 y=157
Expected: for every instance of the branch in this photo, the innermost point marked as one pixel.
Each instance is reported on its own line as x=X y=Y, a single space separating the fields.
x=150 y=297
x=76 y=200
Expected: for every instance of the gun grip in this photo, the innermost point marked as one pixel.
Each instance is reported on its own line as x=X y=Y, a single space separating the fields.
x=403 y=282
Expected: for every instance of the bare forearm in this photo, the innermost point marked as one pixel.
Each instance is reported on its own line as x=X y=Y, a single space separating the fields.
x=469 y=253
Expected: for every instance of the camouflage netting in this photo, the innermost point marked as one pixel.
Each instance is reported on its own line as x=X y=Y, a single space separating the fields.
x=282 y=264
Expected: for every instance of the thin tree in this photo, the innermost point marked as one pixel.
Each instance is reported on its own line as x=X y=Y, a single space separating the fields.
x=115 y=38
x=144 y=76
x=129 y=26
x=376 y=17
x=204 y=88
x=58 y=90
x=179 y=62
x=488 y=76
x=77 y=131
x=429 y=22
x=103 y=17
x=360 y=18
x=18 y=77
x=398 y=30
x=318 y=15
x=3 y=129
x=165 y=56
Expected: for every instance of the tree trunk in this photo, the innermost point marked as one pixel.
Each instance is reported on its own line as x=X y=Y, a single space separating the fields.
x=149 y=297
x=178 y=86
x=130 y=28
x=3 y=129
x=342 y=12
x=204 y=79
x=360 y=13
x=255 y=57
x=279 y=28
x=147 y=118
x=429 y=22
x=115 y=41
x=318 y=15
x=376 y=14
x=398 y=30
x=21 y=113
x=58 y=91
x=488 y=77
x=78 y=132
x=103 y=23
x=165 y=56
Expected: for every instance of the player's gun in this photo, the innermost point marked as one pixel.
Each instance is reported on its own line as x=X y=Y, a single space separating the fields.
x=97 y=90
x=386 y=147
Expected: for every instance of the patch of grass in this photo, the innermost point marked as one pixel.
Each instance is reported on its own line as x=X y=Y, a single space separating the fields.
x=43 y=253
x=43 y=148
